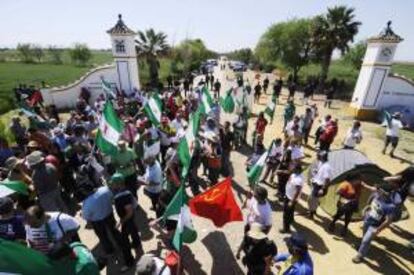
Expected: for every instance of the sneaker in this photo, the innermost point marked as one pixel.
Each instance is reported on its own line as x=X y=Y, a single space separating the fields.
x=357 y=259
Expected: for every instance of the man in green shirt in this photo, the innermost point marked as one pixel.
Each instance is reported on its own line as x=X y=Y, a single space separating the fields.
x=124 y=163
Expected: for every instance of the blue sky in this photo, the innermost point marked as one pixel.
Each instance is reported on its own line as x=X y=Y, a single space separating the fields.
x=223 y=24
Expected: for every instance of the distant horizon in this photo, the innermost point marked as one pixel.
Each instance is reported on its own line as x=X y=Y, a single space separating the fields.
x=222 y=25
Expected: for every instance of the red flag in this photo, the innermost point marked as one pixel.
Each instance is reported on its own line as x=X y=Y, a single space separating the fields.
x=217 y=204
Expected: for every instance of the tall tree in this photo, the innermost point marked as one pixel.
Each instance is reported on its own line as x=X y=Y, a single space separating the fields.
x=245 y=55
x=190 y=53
x=55 y=54
x=334 y=30
x=151 y=45
x=286 y=42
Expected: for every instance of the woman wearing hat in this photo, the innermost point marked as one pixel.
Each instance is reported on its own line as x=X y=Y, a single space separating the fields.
x=258 y=251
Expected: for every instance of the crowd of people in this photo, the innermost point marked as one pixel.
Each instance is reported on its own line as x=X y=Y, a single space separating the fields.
x=65 y=172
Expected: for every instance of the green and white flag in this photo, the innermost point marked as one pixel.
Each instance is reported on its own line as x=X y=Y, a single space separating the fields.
x=153 y=109
x=110 y=130
x=8 y=187
x=270 y=108
x=107 y=88
x=206 y=100
x=227 y=103
x=256 y=171
x=179 y=211
x=186 y=146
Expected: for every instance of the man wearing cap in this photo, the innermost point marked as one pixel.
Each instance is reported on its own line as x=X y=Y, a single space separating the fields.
x=298 y=260
x=45 y=181
x=392 y=132
x=378 y=217
x=97 y=210
x=125 y=206
x=124 y=163
x=152 y=180
x=258 y=250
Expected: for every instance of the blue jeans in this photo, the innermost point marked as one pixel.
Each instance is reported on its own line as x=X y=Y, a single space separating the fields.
x=369 y=230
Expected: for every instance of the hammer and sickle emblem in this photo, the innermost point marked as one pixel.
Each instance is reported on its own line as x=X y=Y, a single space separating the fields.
x=214 y=195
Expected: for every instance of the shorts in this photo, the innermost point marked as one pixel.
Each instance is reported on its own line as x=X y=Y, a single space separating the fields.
x=392 y=140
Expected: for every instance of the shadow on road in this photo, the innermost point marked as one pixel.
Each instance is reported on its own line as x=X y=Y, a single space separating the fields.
x=224 y=261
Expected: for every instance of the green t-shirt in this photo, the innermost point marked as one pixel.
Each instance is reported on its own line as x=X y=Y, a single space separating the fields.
x=124 y=161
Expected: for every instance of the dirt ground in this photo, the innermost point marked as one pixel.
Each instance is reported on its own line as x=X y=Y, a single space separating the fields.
x=213 y=251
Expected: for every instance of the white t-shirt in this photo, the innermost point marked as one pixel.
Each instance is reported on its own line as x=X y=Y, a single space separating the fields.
x=324 y=172
x=41 y=240
x=276 y=150
x=352 y=136
x=153 y=174
x=178 y=125
x=394 y=130
x=260 y=213
x=295 y=180
x=297 y=152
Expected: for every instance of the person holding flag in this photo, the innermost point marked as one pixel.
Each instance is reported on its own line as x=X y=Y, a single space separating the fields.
x=273 y=160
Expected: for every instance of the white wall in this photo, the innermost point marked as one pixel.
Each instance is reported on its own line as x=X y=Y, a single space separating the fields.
x=397 y=91
x=66 y=97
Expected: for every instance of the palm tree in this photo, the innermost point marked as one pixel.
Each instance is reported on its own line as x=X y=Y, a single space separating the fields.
x=333 y=31
x=151 y=45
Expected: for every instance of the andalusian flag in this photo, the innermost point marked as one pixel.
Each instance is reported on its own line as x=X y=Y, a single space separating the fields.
x=107 y=88
x=179 y=211
x=255 y=172
x=8 y=187
x=186 y=145
x=227 y=103
x=153 y=109
x=270 y=108
x=206 y=100
x=110 y=130
x=387 y=118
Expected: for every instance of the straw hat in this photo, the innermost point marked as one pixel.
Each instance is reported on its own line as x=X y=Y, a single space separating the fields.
x=256 y=232
x=34 y=158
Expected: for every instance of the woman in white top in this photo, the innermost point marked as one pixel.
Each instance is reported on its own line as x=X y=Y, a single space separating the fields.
x=259 y=210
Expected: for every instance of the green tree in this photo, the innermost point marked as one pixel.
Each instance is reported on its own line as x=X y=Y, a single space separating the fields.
x=55 y=54
x=38 y=52
x=190 y=53
x=288 y=43
x=151 y=45
x=245 y=55
x=80 y=54
x=334 y=30
x=355 y=55
x=25 y=52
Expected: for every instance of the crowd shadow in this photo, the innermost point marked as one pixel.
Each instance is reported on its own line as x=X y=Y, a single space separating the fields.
x=397 y=230
x=315 y=242
x=224 y=261
x=189 y=263
x=403 y=160
x=141 y=219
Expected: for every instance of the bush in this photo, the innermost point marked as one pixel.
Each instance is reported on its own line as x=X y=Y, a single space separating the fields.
x=26 y=53
x=55 y=55
x=80 y=54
